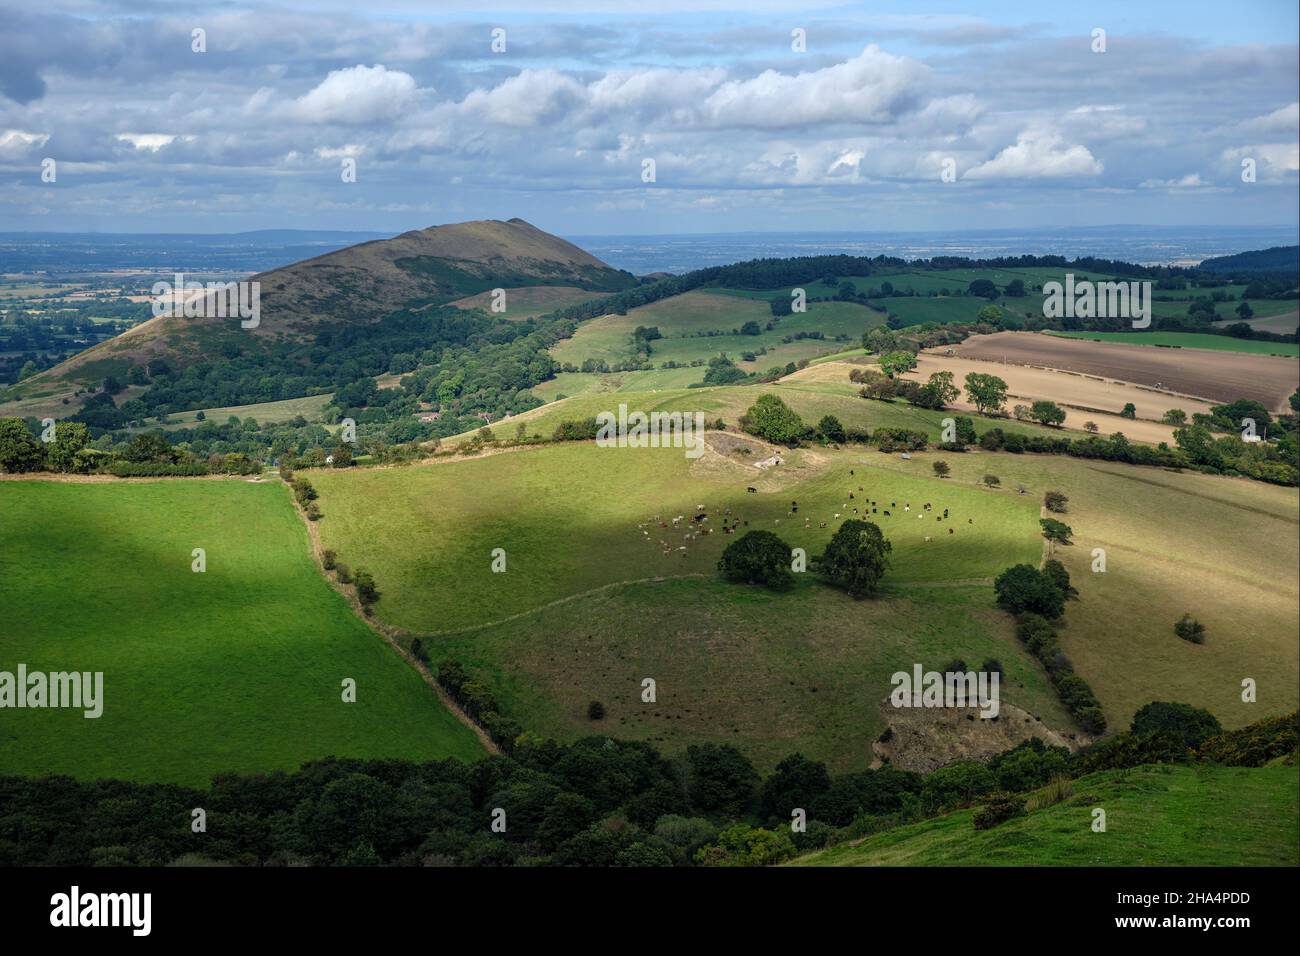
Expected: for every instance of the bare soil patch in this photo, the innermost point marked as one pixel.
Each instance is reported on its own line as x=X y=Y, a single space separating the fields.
x=1215 y=376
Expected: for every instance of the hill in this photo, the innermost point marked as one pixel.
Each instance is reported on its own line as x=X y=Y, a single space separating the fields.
x=1276 y=259
x=1155 y=816
x=353 y=287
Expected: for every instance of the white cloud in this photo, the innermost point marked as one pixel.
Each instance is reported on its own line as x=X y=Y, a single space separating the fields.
x=1038 y=154
x=150 y=141
x=16 y=143
x=356 y=95
x=873 y=87
x=1190 y=181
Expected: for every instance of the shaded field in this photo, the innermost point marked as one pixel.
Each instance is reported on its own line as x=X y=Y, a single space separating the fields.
x=1215 y=376
x=1189 y=340
x=266 y=413
x=239 y=668
x=1155 y=816
x=1225 y=550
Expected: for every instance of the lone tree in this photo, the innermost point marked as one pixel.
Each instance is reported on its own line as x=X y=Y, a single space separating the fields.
x=773 y=419
x=1055 y=502
x=896 y=363
x=1190 y=629
x=991 y=480
x=941 y=468
x=1023 y=587
x=1128 y=411
x=856 y=558
x=1049 y=413
x=987 y=393
x=1056 y=531
x=595 y=710
x=758 y=557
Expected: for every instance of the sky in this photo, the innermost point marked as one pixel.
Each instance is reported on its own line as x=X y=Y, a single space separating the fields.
x=655 y=116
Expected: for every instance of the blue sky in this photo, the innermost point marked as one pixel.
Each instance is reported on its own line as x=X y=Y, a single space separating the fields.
x=895 y=116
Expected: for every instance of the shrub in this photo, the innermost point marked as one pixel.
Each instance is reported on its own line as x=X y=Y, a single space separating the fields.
x=1055 y=501
x=991 y=480
x=328 y=559
x=595 y=710
x=1192 y=724
x=831 y=429
x=1000 y=808
x=1190 y=629
x=1054 y=530
x=1058 y=790
x=1024 y=588
x=941 y=468
x=1060 y=577
x=1255 y=745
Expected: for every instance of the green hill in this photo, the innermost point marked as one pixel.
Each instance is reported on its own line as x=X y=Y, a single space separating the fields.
x=1202 y=815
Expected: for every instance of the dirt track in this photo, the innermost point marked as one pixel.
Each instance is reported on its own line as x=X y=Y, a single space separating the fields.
x=1216 y=376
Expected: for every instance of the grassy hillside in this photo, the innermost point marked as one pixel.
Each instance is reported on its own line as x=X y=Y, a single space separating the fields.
x=237 y=668
x=1201 y=815
x=574 y=618
x=699 y=325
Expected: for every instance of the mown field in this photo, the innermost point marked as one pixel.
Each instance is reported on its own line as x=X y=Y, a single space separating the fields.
x=1155 y=816
x=1189 y=340
x=238 y=668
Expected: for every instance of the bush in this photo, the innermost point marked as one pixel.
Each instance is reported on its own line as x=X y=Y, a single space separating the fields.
x=991 y=480
x=1024 y=588
x=758 y=557
x=595 y=710
x=1190 y=629
x=1000 y=808
x=1255 y=745
x=941 y=468
x=1060 y=577
x=1054 y=530
x=831 y=429
x=1192 y=724
x=1055 y=501
x=328 y=559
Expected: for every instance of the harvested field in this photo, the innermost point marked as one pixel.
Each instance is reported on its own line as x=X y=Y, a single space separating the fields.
x=1084 y=398
x=1211 y=375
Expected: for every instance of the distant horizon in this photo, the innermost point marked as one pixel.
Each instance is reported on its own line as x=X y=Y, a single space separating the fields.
x=638 y=235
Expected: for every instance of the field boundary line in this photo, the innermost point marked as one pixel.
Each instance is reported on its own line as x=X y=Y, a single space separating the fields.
x=390 y=635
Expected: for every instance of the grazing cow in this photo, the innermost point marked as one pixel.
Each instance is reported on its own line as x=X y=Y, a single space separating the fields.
x=970 y=520
x=920 y=517
x=952 y=530
x=873 y=510
x=701 y=517
x=907 y=508
x=752 y=491
x=886 y=514
x=850 y=471
x=823 y=524
x=927 y=537
x=850 y=496
x=836 y=515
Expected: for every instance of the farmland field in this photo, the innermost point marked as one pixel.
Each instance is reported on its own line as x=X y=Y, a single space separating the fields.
x=237 y=668
x=1084 y=398
x=1217 y=376
x=528 y=301
x=1189 y=340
